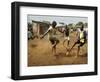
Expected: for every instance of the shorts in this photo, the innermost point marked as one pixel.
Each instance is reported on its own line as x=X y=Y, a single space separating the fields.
x=80 y=43
x=67 y=38
x=53 y=40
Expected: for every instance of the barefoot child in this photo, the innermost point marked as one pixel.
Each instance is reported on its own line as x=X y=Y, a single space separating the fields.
x=66 y=38
x=66 y=35
x=52 y=36
x=81 y=39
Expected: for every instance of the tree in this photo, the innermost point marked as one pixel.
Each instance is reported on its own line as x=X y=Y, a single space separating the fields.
x=86 y=25
x=78 y=25
x=71 y=25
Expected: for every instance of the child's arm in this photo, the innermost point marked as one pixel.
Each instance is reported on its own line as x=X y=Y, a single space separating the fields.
x=45 y=34
x=59 y=30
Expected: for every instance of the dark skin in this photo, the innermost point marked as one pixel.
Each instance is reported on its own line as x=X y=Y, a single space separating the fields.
x=79 y=46
x=77 y=50
x=66 y=34
x=55 y=42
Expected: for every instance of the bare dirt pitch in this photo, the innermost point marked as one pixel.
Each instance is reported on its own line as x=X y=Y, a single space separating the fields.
x=39 y=52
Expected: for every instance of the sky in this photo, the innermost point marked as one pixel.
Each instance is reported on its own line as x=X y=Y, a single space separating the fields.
x=50 y=18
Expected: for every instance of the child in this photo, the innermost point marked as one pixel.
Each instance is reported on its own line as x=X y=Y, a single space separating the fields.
x=66 y=38
x=66 y=35
x=52 y=36
x=81 y=39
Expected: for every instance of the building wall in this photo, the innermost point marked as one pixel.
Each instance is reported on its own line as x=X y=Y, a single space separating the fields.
x=35 y=27
x=39 y=29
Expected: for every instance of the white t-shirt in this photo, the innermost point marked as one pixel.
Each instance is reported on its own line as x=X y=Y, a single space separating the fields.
x=52 y=32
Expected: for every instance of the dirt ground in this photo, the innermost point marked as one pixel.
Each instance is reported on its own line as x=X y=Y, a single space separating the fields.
x=39 y=52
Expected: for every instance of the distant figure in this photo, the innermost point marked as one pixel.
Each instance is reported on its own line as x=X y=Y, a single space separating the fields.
x=31 y=35
x=52 y=36
x=81 y=40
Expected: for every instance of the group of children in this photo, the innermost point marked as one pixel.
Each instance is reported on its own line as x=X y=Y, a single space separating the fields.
x=81 y=40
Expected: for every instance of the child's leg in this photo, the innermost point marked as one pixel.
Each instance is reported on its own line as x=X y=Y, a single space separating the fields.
x=68 y=41
x=78 y=51
x=73 y=46
x=80 y=45
x=54 y=46
x=54 y=49
x=65 y=44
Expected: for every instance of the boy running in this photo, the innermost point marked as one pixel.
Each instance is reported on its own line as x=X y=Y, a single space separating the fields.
x=52 y=36
x=66 y=35
x=81 y=39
